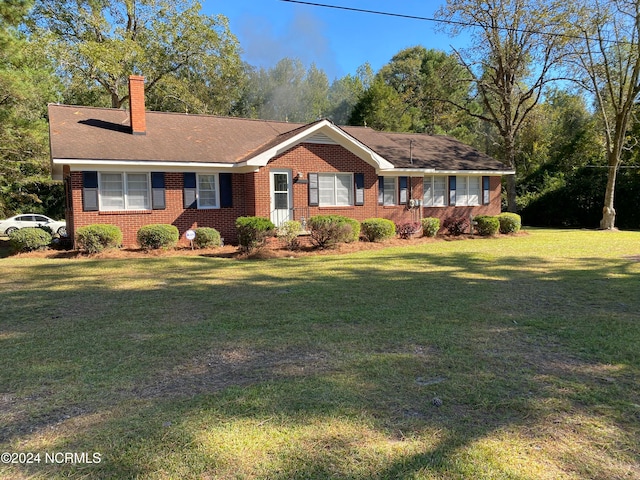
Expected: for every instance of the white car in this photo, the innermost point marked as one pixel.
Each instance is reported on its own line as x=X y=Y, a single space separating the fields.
x=32 y=220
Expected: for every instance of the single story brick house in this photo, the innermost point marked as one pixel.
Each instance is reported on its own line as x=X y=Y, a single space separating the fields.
x=133 y=168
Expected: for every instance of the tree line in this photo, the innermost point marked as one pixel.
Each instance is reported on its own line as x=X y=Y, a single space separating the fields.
x=548 y=87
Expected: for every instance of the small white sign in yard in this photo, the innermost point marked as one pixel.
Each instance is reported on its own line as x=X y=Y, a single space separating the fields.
x=190 y=235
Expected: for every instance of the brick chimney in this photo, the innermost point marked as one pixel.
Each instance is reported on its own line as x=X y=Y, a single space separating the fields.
x=136 y=105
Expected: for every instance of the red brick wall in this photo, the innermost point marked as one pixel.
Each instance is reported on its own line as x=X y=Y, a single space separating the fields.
x=306 y=158
x=251 y=196
x=130 y=221
x=494 y=207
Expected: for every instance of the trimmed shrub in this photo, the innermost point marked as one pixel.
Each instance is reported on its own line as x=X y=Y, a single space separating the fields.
x=288 y=232
x=29 y=239
x=95 y=238
x=47 y=229
x=407 y=230
x=378 y=229
x=355 y=229
x=207 y=237
x=486 y=225
x=329 y=230
x=509 y=222
x=456 y=226
x=430 y=226
x=253 y=232
x=158 y=235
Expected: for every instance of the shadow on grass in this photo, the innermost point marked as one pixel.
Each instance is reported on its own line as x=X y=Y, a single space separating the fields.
x=138 y=359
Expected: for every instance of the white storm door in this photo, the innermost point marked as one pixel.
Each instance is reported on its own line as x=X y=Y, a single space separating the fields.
x=281 y=201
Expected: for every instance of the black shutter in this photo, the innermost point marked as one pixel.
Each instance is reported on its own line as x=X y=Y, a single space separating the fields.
x=486 y=189
x=226 y=193
x=452 y=190
x=380 y=190
x=404 y=190
x=158 y=199
x=90 y=191
x=314 y=190
x=189 y=190
x=359 y=186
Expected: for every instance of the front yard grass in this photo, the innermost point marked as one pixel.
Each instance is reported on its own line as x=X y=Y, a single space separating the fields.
x=329 y=366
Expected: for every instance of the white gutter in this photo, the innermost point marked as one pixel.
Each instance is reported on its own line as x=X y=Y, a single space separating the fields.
x=142 y=166
x=433 y=171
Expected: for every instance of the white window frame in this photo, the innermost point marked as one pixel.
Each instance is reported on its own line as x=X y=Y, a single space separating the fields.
x=216 y=180
x=476 y=193
x=125 y=192
x=429 y=186
x=334 y=190
x=463 y=196
x=394 y=191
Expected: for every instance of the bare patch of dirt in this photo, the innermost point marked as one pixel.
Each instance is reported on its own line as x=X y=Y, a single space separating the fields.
x=218 y=370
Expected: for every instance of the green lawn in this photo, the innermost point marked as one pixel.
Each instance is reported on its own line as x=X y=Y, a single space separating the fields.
x=327 y=367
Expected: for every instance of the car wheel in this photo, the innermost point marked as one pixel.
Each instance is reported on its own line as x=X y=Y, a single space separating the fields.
x=10 y=230
x=62 y=231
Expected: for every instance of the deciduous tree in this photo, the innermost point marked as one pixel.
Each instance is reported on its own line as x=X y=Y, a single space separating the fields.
x=514 y=51
x=606 y=62
x=414 y=92
x=188 y=57
x=287 y=92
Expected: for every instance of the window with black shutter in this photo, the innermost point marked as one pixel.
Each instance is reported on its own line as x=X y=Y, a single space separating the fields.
x=90 y=191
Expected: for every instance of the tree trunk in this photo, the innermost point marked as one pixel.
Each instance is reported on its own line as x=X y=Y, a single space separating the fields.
x=510 y=161
x=608 y=211
x=115 y=100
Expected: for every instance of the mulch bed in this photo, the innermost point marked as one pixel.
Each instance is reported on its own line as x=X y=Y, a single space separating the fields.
x=275 y=248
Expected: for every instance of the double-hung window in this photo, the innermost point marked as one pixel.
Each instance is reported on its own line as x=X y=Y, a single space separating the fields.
x=435 y=189
x=335 y=189
x=465 y=190
x=387 y=191
x=474 y=192
x=207 y=191
x=124 y=191
x=393 y=190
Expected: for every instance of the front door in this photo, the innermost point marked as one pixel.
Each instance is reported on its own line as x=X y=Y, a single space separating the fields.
x=281 y=203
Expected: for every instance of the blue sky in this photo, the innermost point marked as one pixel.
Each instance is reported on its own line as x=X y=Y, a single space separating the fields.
x=336 y=41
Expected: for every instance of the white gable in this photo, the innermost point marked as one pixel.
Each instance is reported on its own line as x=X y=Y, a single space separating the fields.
x=327 y=133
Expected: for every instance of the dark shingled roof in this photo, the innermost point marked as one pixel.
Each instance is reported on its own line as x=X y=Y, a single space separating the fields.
x=104 y=134
x=414 y=150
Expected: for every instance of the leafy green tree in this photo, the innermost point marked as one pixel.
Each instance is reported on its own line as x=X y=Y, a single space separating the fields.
x=286 y=92
x=27 y=84
x=345 y=92
x=187 y=58
x=514 y=50
x=606 y=63
x=559 y=142
x=381 y=108
x=415 y=92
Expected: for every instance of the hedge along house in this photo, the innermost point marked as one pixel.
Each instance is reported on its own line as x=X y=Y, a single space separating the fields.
x=136 y=168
